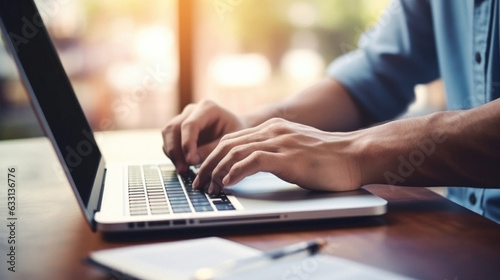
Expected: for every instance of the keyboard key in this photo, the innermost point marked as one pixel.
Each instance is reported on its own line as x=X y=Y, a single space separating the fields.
x=158 y=204
x=219 y=195
x=223 y=207
x=162 y=205
x=203 y=208
x=173 y=191
x=199 y=200
x=177 y=198
x=179 y=203
x=160 y=194
x=182 y=210
x=136 y=203
x=160 y=211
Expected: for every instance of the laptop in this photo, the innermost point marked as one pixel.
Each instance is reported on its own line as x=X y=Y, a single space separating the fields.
x=142 y=196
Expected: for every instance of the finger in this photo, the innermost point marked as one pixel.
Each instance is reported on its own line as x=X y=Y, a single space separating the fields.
x=256 y=162
x=251 y=135
x=236 y=154
x=172 y=148
x=172 y=140
x=201 y=118
x=190 y=131
x=213 y=159
x=205 y=172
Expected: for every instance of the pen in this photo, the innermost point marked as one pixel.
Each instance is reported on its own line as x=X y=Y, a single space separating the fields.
x=239 y=265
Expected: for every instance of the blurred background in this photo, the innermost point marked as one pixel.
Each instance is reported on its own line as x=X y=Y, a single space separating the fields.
x=123 y=56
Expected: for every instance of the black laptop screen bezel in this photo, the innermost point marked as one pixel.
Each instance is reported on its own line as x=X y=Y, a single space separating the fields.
x=52 y=95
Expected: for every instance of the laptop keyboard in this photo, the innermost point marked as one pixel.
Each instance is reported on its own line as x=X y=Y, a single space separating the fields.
x=156 y=189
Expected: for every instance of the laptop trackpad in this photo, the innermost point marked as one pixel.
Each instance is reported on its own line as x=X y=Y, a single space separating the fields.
x=266 y=186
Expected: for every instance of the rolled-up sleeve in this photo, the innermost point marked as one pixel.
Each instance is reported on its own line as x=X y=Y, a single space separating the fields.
x=397 y=54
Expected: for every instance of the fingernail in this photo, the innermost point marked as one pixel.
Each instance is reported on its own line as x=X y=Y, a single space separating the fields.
x=196 y=182
x=225 y=181
x=211 y=189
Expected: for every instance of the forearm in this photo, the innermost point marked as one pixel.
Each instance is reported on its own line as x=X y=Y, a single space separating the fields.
x=326 y=105
x=454 y=148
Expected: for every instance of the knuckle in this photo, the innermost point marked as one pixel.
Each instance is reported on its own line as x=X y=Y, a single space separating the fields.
x=188 y=125
x=237 y=152
x=226 y=146
x=256 y=157
x=274 y=120
x=207 y=103
x=286 y=141
x=173 y=125
x=237 y=169
x=189 y=107
x=279 y=128
x=226 y=138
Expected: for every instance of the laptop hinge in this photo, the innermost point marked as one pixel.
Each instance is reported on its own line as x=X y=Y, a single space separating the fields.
x=99 y=202
x=94 y=203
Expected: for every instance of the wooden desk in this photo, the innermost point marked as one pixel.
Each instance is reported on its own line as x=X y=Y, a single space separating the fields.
x=423 y=235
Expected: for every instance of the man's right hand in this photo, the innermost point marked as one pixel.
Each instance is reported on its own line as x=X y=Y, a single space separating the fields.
x=191 y=136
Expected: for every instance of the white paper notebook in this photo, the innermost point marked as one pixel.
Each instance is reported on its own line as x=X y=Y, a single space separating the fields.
x=179 y=260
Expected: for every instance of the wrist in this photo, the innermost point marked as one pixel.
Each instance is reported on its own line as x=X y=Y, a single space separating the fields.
x=260 y=115
x=402 y=152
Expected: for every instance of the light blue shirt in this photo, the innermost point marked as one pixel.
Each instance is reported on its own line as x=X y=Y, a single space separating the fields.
x=416 y=42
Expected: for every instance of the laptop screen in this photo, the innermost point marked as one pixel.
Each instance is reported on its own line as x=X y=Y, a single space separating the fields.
x=51 y=93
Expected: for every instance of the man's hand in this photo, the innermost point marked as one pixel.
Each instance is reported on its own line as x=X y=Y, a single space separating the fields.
x=458 y=148
x=192 y=135
x=296 y=153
